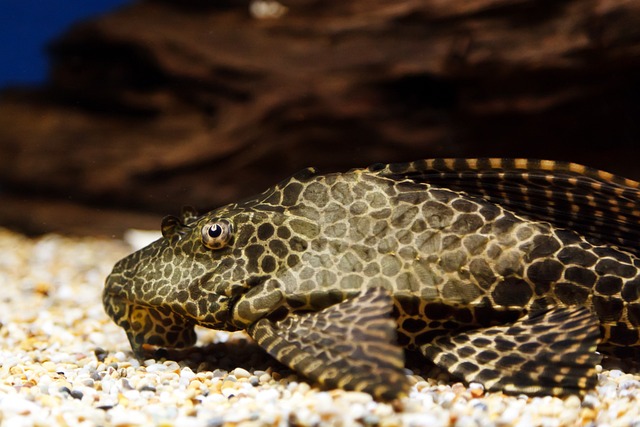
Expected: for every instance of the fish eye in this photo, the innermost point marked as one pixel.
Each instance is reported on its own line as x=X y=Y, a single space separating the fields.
x=217 y=234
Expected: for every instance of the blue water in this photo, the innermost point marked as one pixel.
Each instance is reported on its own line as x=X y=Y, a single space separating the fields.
x=26 y=26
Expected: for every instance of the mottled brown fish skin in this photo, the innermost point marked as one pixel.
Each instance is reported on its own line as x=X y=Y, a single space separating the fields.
x=476 y=286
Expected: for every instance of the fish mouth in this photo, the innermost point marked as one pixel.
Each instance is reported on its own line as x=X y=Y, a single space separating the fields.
x=147 y=327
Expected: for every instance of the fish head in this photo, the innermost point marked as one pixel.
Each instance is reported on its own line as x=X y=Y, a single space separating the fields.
x=200 y=267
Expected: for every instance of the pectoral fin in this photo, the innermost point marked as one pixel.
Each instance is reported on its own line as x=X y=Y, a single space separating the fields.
x=552 y=352
x=350 y=345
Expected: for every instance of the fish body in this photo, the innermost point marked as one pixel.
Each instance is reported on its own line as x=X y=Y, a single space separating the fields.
x=511 y=273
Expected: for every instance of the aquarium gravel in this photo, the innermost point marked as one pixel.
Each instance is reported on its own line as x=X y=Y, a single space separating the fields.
x=63 y=362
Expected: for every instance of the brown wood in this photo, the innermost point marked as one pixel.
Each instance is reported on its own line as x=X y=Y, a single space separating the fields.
x=166 y=103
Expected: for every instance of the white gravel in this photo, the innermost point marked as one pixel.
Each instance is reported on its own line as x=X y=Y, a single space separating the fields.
x=63 y=362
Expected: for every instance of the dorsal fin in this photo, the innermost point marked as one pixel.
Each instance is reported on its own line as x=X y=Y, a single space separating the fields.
x=592 y=202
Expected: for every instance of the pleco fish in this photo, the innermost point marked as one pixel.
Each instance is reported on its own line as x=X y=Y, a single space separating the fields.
x=518 y=274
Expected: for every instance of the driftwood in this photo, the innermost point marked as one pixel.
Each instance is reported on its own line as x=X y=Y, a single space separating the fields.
x=166 y=103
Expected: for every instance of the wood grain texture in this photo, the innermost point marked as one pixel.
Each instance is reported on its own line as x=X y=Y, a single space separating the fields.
x=166 y=103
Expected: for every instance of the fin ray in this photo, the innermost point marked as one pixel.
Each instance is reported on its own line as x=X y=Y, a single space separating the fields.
x=594 y=203
x=551 y=352
x=349 y=345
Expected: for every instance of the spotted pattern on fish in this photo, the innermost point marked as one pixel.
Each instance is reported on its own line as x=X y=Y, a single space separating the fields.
x=511 y=273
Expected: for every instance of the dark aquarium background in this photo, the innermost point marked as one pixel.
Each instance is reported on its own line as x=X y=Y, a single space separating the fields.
x=114 y=114
x=27 y=26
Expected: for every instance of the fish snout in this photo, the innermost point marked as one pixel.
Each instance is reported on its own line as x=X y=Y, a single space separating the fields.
x=147 y=327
